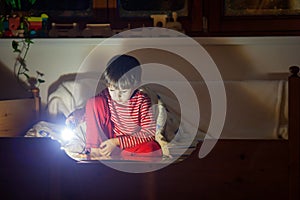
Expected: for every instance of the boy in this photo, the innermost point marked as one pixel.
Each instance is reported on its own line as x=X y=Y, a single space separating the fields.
x=120 y=119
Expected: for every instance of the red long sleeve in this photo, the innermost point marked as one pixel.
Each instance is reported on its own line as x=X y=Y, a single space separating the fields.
x=98 y=123
x=133 y=124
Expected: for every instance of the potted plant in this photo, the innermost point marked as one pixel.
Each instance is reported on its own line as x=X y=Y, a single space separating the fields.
x=18 y=5
x=21 y=46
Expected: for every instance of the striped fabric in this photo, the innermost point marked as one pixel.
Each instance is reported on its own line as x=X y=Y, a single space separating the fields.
x=134 y=124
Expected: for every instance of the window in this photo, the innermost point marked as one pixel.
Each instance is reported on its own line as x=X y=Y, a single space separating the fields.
x=145 y=8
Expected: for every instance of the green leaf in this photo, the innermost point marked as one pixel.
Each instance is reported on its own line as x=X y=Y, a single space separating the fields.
x=25 y=68
x=32 y=1
x=27 y=76
x=41 y=80
x=17 y=50
x=39 y=73
x=19 y=4
x=28 y=41
x=15 y=45
x=12 y=3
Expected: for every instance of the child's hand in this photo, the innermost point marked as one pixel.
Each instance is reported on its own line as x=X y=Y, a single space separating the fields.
x=107 y=147
x=70 y=122
x=95 y=154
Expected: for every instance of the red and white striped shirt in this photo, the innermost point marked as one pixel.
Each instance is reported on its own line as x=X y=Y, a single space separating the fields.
x=134 y=123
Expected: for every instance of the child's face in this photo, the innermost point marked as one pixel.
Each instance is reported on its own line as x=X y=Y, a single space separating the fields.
x=120 y=96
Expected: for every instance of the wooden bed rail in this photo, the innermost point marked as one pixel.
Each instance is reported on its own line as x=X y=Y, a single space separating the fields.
x=37 y=103
x=294 y=131
x=18 y=115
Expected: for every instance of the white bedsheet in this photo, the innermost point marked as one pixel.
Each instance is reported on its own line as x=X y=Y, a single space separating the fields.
x=256 y=109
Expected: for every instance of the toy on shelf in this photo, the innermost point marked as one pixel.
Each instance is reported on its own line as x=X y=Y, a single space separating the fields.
x=159 y=20
x=18 y=26
x=38 y=25
x=174 y=24
x=162 y=20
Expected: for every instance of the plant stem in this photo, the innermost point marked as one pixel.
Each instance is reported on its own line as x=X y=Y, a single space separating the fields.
x=21 y=60
x=19 y=4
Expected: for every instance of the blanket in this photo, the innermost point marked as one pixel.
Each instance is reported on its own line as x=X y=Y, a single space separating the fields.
x=256 y=109
x=64 y=102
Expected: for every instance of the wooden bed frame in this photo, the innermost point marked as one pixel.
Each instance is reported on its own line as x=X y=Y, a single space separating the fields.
x=18 y=115
x=234 y=169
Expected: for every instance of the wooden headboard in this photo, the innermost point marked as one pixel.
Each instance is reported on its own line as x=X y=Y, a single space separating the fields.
x=18 y=115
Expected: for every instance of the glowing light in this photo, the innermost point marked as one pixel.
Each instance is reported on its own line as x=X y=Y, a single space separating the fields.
x=67 y=134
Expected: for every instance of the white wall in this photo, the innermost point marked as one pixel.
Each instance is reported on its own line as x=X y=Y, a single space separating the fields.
x=237 y=58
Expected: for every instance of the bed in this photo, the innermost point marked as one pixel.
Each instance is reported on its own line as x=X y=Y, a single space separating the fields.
x=24 y=112
x=249 y=168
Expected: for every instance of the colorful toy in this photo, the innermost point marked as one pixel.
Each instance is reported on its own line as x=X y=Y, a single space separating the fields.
x=16 y=26
x=37 y=23
x=14 y=23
